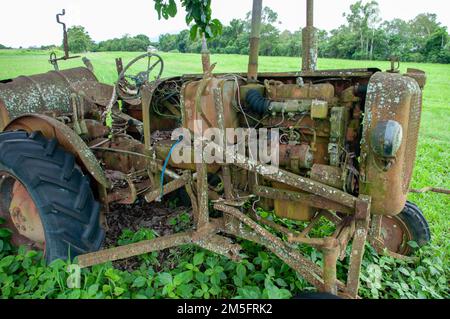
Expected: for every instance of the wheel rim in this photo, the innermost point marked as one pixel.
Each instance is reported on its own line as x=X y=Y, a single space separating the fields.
x=20 y=213
x=396 y=235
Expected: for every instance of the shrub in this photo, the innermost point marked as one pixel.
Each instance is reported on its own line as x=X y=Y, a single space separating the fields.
x=189 y=272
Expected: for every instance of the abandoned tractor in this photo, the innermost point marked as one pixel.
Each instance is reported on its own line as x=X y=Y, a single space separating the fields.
x=71 y=146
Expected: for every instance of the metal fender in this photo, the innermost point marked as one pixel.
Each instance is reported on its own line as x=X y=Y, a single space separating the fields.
x=67 y=138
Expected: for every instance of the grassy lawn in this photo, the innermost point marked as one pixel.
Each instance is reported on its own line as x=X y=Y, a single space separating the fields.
x=432 y=167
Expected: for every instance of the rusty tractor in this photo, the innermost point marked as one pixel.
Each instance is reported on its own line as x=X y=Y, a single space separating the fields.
x=71 y=146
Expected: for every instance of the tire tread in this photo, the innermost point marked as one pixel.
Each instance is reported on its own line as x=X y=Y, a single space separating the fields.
x=71 y=222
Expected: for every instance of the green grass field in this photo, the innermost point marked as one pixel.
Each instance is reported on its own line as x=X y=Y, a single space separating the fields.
x=432 y=167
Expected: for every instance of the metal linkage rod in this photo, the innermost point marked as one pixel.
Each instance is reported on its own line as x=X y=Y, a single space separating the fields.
x=254 y=41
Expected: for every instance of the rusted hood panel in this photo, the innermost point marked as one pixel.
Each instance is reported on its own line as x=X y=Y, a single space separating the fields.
x=47 y=93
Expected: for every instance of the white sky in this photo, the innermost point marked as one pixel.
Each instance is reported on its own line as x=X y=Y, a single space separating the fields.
x=32 y=22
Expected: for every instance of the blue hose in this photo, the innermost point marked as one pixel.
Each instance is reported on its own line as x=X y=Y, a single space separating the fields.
x=163 y=171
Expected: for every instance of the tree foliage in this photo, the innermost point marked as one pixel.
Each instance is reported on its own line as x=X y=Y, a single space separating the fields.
x=140 y=42
x=363 y=20
x=198 y=11
x=364 y=36
x=79 y=39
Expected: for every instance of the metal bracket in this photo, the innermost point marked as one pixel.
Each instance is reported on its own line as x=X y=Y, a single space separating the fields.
x=53 y=59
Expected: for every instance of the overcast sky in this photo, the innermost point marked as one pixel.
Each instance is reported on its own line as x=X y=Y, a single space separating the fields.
x=32 y=22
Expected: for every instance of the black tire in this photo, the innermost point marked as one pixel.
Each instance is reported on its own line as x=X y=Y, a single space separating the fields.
x=418 y=226
x=67 y=208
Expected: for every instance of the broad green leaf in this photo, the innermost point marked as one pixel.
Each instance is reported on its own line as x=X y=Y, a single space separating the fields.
x=118 y=291
x=404 y=271
x=198 y=293
x=183 y=278
x=241 y=271
x=139 y=282
x=172 y=8
x=250 y=292
x=165 y=278
x=6 y=262
x=198 y=259
x=74 y=294
x=185 y=291
x=413 y=244
x=193 y=32
x=93 y=289
x=5 y=233
x=215 y=279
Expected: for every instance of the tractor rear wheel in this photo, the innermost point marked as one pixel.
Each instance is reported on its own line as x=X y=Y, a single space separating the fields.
x=409 y=225
x=45 y=199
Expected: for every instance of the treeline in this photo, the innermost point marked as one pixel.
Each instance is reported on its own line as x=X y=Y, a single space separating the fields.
x=140 y=42
x=80 y=41
x=364 y=36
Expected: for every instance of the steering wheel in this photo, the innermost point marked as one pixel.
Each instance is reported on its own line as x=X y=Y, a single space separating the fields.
x=128 y=86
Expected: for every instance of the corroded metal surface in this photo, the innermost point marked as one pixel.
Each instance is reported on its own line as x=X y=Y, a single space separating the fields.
x=168 y=188
x=362 y=216
x=226 y=173
x=252 y=74
x=20 y=214
x=309 y=40
x=324 y=173
x=395 y=235
x=394 y=97
x=47 y=93
x=120 y=161
x=291 y=179
x=328 y=175
x=304 y=266
x=143 y=247
x=199 y=103
x=279 y=91
x=313 y=200
x=67 y=138
x=25 y=215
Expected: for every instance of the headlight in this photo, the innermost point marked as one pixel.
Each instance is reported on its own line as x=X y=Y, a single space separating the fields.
x=386 y=139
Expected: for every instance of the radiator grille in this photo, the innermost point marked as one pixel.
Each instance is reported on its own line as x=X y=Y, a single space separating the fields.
x=412 y=140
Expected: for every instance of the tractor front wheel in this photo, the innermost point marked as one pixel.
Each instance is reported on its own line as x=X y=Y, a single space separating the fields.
x=45 y=199
x=409 y=225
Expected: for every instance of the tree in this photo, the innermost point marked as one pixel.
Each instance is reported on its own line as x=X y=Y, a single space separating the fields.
x=79 y=39
x=167 y=42
x=289 y=44
x=269 y=33
x=342 y=43
x=425 y=24
x=363 y=36
x=363 y=20
x=141 y=42
x=396 y=40
x=436 y=47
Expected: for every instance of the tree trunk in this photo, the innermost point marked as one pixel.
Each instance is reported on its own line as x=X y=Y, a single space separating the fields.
x=367 y=48
x=371 y=44
x=362 y=42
